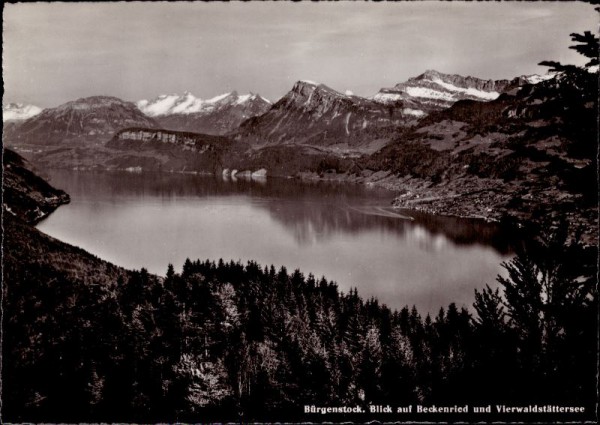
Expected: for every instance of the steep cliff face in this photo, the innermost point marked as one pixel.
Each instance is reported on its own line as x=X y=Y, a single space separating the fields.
x=151 y=138
x=140 y=149
x=94 y=118
x=218 y=115
x=315 y=114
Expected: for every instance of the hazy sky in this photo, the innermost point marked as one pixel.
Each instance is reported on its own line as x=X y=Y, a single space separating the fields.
x=56 y=52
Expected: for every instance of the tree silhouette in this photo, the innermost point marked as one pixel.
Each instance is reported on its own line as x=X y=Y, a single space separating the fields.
x=543 y=318
x=588 y=46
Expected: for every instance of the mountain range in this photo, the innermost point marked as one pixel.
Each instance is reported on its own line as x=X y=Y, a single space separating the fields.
x=433 y=90
x=315 y=114
x=311 y=121
x=310 y=113
x=218 y=115
x=80 y=121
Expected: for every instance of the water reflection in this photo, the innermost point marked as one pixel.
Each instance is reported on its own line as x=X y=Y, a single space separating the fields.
x=347 y=233
x=311 y=210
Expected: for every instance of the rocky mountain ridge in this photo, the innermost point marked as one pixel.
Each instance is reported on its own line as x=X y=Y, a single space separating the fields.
x=315 y=114
x=433 y=90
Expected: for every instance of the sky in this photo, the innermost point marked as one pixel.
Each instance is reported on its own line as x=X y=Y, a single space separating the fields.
x=57 y=52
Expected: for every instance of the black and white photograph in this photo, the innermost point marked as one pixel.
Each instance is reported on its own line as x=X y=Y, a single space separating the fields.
x=300 y=212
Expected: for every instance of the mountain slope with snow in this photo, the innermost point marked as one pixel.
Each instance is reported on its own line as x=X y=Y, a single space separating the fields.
x=19 y=111
x=91 y=118
x=218 y=115
x=433 y=90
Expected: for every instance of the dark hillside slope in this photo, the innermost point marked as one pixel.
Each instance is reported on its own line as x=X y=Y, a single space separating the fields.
x=49 y=325
x=25 y=194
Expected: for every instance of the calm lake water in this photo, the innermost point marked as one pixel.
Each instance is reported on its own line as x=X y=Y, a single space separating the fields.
x=349 y=234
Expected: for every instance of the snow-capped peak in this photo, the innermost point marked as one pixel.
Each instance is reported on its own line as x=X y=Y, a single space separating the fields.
x=169 y=104
x=19 y=111
x=245 y=98
x=258 y=96
x=306 y=87
x=190 y=104
x=471 y=91
x=536 y=78
x=221 y=97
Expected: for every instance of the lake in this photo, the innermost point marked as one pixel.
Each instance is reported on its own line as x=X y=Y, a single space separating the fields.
x=348 y=233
